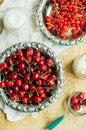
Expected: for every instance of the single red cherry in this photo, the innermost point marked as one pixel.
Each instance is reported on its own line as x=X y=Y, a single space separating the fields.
x=49 y=70
x=28 y=59
x=37 y=53
x=2 y=84
x=13 y=56
x=24 y=99
x=36 y=59
x=53 y=77
x=43 y=95
x=21 y=58
x=22 y=66
x=29 y=95
x=49 y=62
x=43 y=68
x=76 y=107
x=13 y=76
x=37 y=99
x=15 y=89
x=25 y=87
x=41 y=62
x=38 y=82
x=29 y=51
x=40 y=90
x=9 y=91
x=35 y=76
x=50 y=82
x=14 y=97
x=80 y=95
x=21 y=93
x=19 y=53
x=26 y=77
x=31 y=87
x=10 y=83
x=74 y=100
x=3 y=66
x=18 y=82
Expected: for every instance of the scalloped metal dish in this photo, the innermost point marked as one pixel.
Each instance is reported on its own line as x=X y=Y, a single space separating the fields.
x=40 y=22
x=48 y=101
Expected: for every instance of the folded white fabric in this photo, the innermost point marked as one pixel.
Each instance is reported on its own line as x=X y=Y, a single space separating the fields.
x=31 y=33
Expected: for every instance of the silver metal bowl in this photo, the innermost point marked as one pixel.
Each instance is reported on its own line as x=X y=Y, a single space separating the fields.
x=33 y=108
x=44 y=9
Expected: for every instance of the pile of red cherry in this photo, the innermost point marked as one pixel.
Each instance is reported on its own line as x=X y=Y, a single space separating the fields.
x=77 y=101
x=29 y=76
x=68 y=18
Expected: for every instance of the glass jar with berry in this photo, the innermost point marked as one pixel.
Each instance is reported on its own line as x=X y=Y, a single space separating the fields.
x=77 y=103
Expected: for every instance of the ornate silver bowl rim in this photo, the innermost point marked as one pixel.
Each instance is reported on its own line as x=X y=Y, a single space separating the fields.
x=33 y=108
x=44 y=30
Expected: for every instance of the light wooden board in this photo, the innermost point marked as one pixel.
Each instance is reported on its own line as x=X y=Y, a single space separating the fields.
x=71 y=84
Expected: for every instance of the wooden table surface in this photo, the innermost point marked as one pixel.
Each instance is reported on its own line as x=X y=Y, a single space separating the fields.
x=71 y=84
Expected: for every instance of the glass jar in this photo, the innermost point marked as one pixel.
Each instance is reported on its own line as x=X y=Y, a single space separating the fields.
x=15 y=20
x=79 y=66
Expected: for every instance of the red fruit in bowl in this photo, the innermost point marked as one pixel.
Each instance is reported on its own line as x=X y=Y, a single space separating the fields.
x=38 y=82
x=40 y=90
x=37 y=99
x=25 y=87
x=28 y=59
x=24 y=99
x=43 y=95
x=84 y=101
x=76 y=107
x=53 y=77
x=2 y=84
x=19 y=53
x=36 y=59
x=22 y=66
x=9 y=91
x=21 y=58
x=80 y=95
x=26 y=77
x=3 y=66
x=43 y=68
x=41 y=62
x=32 y=87
x=14 y=97
x=18 y=82
x=21 y=93
x=35 y=76
x=50 y=82
x=13 y=76
x=49 y=62
x=10 y=83
x=15 y=89
x=29 y=51
x=29 y=95
x=74 y=100
x=37 y=53
x=49 y=70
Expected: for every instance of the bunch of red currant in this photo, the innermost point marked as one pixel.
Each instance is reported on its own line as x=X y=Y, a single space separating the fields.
x=29 y=76
x=68 y=18
x=78 y=100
